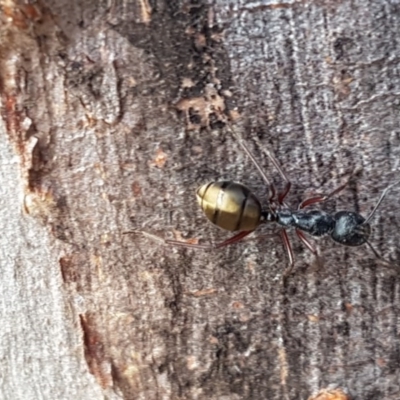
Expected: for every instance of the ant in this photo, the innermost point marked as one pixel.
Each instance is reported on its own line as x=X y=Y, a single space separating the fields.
x=233 y=207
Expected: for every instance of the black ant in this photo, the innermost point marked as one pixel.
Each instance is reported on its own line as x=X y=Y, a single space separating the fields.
x=233 y=207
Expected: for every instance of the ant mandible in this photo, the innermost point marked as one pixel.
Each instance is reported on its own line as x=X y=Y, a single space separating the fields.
x=233 y=207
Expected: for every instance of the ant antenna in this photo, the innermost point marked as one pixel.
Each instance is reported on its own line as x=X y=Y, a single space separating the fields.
x=379 y=203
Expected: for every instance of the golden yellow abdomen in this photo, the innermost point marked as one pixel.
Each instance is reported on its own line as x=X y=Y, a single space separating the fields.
x=230 y=206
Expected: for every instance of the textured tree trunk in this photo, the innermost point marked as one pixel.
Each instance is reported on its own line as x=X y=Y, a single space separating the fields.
x=112 y=115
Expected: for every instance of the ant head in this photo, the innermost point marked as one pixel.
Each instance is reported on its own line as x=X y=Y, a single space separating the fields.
x=350 y=229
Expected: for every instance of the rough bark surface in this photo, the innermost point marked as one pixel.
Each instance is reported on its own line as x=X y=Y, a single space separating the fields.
x=112 y=115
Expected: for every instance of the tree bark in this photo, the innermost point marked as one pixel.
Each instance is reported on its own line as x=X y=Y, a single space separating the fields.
x=112 y=116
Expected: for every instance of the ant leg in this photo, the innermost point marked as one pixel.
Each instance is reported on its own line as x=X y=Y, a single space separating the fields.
x=243 y=145
x=167 y=241
x=226 y=242
x=289 y=250
x=288 y=184
x=320 y=199
x=262 y=237
x=234 y=239
x=306 y=242
x=273 y=193
x=284 y=193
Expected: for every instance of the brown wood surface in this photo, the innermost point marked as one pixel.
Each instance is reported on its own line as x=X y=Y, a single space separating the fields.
x=109 y=124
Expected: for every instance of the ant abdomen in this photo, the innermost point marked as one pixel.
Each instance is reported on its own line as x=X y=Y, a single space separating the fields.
x=229 y=205
x=350 y=229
